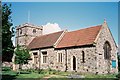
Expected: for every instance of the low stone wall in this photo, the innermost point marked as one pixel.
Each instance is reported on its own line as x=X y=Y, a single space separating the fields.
x=24 y=66
x=7 y=64
x=28 y=66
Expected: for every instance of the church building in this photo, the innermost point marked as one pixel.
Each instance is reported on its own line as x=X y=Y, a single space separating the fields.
x=91 y=49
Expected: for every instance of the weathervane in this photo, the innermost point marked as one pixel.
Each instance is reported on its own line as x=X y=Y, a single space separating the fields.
x=104 y=20
x=28 y=16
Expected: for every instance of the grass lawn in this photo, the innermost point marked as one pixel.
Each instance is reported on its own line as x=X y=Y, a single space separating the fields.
x=51 y=74
x=31 y=75
x=64 y=75
x=100 y=76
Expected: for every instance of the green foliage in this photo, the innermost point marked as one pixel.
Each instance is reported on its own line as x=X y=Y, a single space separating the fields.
x=9 y=73
x=118 y=76
x=7 y=33
x=31 y=70
x=24 y=72
x=40 y=70
x=6 y=69
x=21 y=55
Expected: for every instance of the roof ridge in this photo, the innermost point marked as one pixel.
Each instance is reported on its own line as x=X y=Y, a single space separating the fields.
x=86 y=28
x=49 y=34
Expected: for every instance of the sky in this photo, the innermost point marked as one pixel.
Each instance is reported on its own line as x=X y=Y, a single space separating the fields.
x=51 y=28
x=60 y=0
x=68 y=15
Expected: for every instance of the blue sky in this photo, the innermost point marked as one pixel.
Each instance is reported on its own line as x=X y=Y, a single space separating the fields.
x=60 y=0
x=73 y=16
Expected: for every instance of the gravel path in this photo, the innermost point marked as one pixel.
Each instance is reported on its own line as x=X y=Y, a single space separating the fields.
x=69 y=76
x=75 y=76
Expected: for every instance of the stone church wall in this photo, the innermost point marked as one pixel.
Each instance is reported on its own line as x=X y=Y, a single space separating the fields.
x=90 y=59
x=52 y=59
x=102 y=65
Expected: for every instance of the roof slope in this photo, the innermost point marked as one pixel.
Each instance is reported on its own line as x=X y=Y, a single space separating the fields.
x=43 y=41
x=79 y=37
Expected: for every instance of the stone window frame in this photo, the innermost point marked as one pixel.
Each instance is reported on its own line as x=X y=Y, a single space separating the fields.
x=107 y=50
x=35 y=55
x=72 y=62
x=60 y=57
x=44 y=57
x=83 y=57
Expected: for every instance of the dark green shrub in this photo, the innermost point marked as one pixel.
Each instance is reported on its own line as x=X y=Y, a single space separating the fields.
x=24 y=72
x=6 y=69
x=40 y=71
x=30 y=70
x=55 y=72
x=119 y=69
x=118 y=76
x=49 y=69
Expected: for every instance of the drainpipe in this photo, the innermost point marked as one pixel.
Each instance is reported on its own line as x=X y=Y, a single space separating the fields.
x=65 y=59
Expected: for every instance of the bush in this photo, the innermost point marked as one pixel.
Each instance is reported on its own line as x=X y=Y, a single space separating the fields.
x=47 y=71
x=40 y=71
x=6 y=74
x=6 y=69
x=24 y=72
x=30 y=70
x=119 y=67
x=118 y=76
x=52 y=71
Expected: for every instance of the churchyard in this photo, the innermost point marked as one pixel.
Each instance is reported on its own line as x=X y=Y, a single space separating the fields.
x=8 y=73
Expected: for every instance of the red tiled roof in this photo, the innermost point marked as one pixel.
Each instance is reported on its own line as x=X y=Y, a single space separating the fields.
x=79 y=37
x=44 y=40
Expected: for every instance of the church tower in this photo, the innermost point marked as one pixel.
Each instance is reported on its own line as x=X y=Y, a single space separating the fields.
x=26 y=32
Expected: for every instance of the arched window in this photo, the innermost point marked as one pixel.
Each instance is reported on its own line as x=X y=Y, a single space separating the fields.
x=107 y=50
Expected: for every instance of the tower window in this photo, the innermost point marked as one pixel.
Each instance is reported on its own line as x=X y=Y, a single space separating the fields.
x=34 y=30
x=20 y=31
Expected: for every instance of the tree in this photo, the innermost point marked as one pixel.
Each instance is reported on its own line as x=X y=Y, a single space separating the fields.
x=7 y=34
x=21 y=56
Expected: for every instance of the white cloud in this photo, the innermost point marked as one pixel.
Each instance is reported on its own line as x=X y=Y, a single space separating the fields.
x=50 y=28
